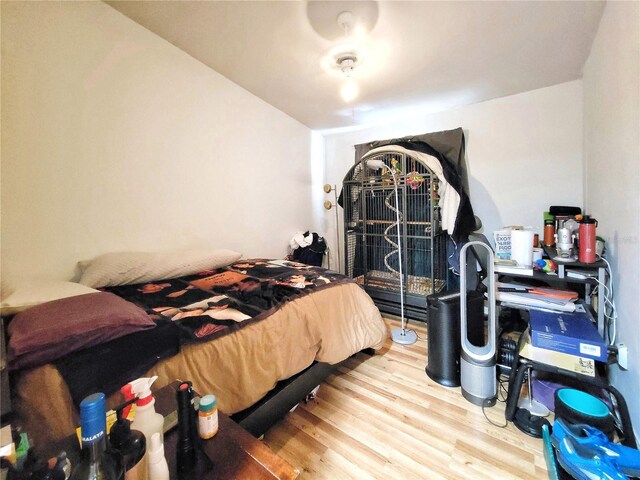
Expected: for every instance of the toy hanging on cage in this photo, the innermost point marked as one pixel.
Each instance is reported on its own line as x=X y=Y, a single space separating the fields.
x=386 y=177
x=414 y=179
x=395 y=166
x=436 y=194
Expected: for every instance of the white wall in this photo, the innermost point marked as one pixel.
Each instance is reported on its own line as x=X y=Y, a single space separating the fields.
x=524 y=153
x=113 y=139
x=612 y=180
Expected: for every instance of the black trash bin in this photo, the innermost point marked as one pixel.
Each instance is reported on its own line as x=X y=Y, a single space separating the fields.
x=443 y=340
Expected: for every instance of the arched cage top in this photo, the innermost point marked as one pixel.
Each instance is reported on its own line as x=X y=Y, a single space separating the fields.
x=371 y=227
x=409 y=170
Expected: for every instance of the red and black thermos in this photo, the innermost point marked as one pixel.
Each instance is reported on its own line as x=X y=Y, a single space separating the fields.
x=587 y=236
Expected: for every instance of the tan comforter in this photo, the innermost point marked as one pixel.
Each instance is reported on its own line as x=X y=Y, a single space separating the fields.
x=240 y=368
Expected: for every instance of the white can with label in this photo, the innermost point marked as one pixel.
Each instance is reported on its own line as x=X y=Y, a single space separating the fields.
x=502 y=240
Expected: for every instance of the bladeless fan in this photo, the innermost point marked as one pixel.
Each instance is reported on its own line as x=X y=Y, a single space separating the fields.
x=478 y=363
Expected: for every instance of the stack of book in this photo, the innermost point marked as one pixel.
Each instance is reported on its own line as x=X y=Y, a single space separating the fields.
x=522 y=296
x=565 y=340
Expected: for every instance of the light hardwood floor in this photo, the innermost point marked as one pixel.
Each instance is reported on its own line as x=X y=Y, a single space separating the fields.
x=381 y=417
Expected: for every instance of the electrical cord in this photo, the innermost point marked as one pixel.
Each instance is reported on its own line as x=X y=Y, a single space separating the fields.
x=453 y=254
x=485 y=403
x=500 y=396
x=610 y=313
x=424 y=339
x=614 y=313
x=502 y=389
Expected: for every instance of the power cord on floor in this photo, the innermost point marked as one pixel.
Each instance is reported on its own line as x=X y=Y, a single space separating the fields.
x=424 y=339
x=502 y=389
x=487 y=402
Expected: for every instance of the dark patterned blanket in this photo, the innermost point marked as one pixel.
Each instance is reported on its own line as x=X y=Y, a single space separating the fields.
x=190 y=309
x=214 y=303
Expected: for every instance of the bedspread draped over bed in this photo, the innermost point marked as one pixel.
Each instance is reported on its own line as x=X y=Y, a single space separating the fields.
x=337 y=320
x=194 y=308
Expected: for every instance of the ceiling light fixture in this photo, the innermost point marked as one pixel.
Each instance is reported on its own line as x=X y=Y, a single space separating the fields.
x=349 y=90
x=347 y=61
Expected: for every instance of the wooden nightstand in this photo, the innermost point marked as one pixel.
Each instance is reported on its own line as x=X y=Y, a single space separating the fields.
x=234 y=453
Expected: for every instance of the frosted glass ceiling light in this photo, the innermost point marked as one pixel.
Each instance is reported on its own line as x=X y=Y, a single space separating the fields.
x=349 y=90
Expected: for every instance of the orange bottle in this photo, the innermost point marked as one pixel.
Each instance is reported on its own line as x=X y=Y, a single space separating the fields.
x=208 y=417
x=549 y=231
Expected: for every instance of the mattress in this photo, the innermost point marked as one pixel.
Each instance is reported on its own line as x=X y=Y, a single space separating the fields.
x=328 y=325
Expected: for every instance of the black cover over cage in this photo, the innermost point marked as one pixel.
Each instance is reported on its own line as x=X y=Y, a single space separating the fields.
x=371 y=233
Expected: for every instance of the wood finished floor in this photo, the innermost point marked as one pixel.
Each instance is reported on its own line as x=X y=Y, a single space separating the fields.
x=381 y=416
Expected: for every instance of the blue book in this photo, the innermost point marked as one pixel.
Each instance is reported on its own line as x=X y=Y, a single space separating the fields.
x=573 y=333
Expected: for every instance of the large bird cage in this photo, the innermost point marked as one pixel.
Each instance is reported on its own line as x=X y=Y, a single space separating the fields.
x=371 y=232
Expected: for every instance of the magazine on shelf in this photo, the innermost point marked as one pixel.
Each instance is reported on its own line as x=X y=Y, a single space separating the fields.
x=525 y=296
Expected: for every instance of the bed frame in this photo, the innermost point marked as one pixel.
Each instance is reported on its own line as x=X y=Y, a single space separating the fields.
x=258 y=418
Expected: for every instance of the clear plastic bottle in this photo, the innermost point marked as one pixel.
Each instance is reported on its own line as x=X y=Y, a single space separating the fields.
x=96 y=462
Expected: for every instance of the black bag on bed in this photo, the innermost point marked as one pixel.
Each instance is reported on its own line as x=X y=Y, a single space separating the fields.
x=311 y=254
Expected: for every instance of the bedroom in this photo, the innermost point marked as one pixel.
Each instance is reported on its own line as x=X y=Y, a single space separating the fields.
x=110 y=134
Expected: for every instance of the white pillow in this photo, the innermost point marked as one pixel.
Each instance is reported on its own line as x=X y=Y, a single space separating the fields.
x=29 y=292
x=6 y=288
x=125 y=268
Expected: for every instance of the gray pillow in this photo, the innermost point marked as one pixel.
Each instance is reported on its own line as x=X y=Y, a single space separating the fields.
x=127 y=268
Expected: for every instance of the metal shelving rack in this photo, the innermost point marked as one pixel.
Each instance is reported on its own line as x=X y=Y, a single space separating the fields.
x=371 y=236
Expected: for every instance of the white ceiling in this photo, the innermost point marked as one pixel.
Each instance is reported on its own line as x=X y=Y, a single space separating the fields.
x=430 y=55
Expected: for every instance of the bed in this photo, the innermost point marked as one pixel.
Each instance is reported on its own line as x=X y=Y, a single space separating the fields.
x=237 y=330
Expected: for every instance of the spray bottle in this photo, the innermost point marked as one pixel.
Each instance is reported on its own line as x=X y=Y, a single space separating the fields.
x=146 y=419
